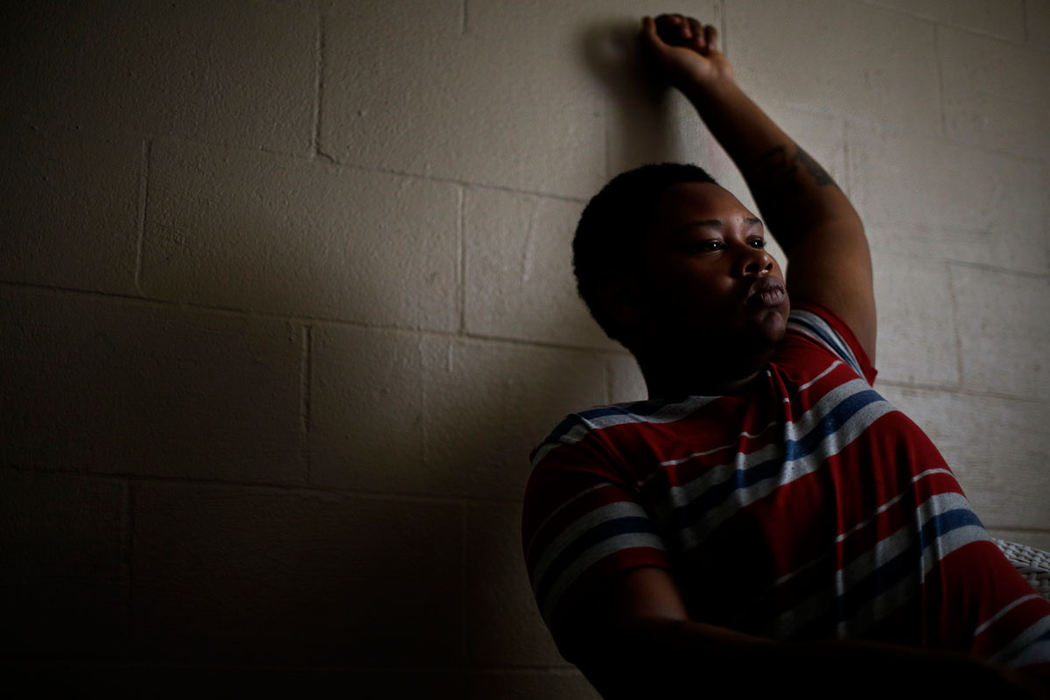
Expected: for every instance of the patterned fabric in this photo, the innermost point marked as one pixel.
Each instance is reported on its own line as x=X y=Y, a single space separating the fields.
x=806 y=508
x=1033 y=564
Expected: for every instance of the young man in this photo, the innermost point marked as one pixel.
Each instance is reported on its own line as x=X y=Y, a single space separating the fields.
x=766 y=521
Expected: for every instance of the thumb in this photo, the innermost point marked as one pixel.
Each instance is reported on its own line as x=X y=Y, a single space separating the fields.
x=651 y=37
x=649 y=32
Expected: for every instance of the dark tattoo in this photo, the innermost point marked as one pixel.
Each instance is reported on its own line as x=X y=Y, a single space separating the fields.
x=777 y=163
x=819 y=175
x=779 y=182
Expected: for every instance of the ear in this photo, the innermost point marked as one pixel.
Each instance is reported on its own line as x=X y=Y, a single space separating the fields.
x=621 y=299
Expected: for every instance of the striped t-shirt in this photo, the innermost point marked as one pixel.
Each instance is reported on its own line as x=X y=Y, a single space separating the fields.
x=807 y=507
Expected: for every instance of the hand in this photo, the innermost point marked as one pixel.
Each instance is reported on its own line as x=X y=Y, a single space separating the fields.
x=686 y=50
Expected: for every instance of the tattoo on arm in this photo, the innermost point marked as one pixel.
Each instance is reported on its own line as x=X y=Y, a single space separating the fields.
x=784 y=181
x=777 y=163
x=819 y=175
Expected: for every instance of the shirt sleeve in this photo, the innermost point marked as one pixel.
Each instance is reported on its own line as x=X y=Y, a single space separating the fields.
x=820 y=324
x=581 y=519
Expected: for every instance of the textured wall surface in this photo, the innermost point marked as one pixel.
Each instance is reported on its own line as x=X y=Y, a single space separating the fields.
x=286 y=299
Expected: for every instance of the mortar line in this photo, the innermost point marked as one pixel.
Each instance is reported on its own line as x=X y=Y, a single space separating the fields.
x=1026 y=24
x=960 y=372
x=143 y=201
x=606 y=138
x=306 y=490
x=463 y=18
x=129 y=499
x=318 y=85
x=462 y=244
x=152 y=664
x=240 y=313
x=940 y=80
x=330 y=162
x=306 y=399
x=722 y=11
x=463 y=602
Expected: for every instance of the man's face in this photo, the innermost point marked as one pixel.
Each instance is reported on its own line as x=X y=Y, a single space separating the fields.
x=707 y=277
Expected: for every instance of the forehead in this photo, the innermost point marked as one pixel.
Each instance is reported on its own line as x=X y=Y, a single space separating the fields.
x=689 y=202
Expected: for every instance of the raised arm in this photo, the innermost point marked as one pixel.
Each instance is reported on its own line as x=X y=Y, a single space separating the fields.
x=811 y=218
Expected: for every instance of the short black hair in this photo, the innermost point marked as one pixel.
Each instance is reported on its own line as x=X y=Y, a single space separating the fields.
x=610 y=236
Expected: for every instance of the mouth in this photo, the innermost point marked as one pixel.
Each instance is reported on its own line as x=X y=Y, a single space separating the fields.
x=767 y=292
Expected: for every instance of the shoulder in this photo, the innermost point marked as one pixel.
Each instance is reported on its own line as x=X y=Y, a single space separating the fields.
x=814 y=326
x=609 y=424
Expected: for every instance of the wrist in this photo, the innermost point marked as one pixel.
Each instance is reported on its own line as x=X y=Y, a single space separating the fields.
x=702 y=92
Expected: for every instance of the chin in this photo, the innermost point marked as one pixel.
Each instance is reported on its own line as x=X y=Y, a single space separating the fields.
x=771 y=326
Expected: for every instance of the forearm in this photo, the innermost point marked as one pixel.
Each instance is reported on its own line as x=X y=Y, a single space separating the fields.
x=665 y=659
x=794 y=193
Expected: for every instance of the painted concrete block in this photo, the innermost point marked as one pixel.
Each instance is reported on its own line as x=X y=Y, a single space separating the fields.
x=296 y=578
x=523 y=685
x=1037 y=23
x=917 y=342
x=160 y=68
x=923 y=196
x=996 y=94
x=393 y=412
x=501 y=95
x=118 y=387
x=366 y=411
x=625 y=379
x=853 y=59
x=63 y=569
x=1001 y=18
x=995 y=446
x=658 y=125
x=251 y=230
x=645 y=120
x=487 y=405
x=503 y=624
x=69 y=208
x=519 y=281
x=1004 y=331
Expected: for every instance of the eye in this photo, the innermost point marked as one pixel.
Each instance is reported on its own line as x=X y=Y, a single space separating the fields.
x=757 y=242
x=706 y=246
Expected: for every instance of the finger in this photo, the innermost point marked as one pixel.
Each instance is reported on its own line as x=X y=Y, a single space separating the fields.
x=651 y=34
x=696 y=30
x=685 y=28
x=672 y=29
x=649 y=27
x=711 y=37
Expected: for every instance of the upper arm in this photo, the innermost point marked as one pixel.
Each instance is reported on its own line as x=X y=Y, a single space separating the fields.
x=831 y=265
x=604 y=629
x=633 y=638
x=814 y=222
x=623 y=599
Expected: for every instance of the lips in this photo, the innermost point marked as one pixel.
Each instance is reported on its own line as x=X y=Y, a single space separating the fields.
x=766 y=292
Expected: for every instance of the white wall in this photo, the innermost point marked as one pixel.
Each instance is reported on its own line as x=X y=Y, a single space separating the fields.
x=286 y=299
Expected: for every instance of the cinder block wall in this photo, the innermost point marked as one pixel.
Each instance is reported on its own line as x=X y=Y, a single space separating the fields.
x=286 y=299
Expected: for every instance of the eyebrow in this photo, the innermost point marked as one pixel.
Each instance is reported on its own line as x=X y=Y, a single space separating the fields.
x=719 y=222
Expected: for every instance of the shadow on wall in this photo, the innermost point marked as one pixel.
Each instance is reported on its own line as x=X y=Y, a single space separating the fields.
x=163 y=504
x=154 y=461
x=641 y=127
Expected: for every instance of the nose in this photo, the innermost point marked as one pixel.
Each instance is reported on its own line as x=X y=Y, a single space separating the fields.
x=754 y=262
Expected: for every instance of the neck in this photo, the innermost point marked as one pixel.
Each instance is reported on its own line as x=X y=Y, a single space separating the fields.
x=700 y=375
